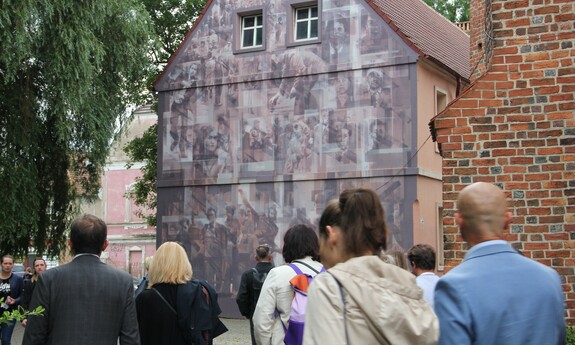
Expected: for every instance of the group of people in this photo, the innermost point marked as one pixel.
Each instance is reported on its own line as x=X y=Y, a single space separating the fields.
x=89 y=302
x=495 y=296
x=16 y=291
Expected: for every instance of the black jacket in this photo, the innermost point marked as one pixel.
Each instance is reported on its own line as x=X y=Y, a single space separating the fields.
x=247 y=297
x=192 y=308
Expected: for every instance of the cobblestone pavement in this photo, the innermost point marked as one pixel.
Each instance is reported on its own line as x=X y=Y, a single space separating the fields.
x=238 y=334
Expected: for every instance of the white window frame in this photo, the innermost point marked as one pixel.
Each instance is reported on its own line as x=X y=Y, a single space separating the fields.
x=441 y=102
x=255 y=29
x=440 y=245
x=309 y=21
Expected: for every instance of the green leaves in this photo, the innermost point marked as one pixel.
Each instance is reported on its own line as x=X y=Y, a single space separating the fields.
x=68 y=71
x=19 y=314
x=455 y=11
x=144 y=149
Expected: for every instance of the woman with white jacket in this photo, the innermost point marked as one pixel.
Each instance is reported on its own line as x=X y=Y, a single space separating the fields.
x=301 y=248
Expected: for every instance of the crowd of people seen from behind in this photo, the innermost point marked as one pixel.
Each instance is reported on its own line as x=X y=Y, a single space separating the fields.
x=338 y=286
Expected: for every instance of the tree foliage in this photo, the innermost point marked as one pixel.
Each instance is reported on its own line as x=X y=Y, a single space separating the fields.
x=144 y=149
x=172 y=19
x=456 y=11
x=68 y=69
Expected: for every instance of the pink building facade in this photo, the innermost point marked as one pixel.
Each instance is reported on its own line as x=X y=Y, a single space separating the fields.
x=131 y=239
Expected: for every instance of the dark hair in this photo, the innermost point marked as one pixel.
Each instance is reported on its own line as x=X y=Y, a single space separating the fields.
x=359 y=214
x=88 y=234
x=263 y=251
x=423 y=255
x=8 y=256
x=300 y=241
x=37 y=259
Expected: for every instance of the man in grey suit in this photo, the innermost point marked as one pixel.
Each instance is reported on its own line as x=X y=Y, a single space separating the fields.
x=87 y=302
x=496 y=296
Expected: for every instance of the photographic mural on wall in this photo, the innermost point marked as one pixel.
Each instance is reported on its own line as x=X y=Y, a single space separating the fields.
x=221 y=225
x=253 y=143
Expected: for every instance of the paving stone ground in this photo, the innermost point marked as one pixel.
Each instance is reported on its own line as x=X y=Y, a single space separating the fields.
x=238 y=334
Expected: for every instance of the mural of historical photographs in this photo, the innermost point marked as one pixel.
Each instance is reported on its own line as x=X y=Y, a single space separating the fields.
x=351 y=123
x=287 y=113
x=221 y=226
x=352 y=35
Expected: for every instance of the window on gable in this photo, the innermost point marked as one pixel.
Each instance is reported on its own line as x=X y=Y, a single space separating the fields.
x=305 y=23
x=252 y=31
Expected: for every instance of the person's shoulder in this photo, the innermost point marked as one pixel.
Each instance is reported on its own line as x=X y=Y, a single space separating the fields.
x=248 y=271
x=530 y=266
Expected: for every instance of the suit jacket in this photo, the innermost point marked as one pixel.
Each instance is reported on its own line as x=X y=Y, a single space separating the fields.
x=87 y=302
x=497 y=296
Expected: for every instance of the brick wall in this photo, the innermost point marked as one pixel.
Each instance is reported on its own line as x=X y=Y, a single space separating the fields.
x=515 y=127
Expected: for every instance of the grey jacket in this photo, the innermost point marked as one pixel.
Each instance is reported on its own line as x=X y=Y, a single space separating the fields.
x=87 y=302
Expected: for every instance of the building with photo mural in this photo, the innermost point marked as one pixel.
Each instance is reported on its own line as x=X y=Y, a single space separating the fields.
x=271 y=108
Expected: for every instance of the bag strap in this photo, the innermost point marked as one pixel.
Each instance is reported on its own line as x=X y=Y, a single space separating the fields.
x=167 y=303
x=298 y=271
x=344 y=307
x=295 y=268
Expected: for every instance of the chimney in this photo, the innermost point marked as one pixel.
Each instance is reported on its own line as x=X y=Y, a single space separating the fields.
x=480 y=36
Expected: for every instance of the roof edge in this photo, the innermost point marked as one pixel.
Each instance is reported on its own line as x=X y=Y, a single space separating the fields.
x=177 y=52
x=395 y=28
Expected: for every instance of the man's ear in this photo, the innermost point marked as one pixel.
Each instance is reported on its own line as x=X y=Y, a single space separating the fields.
x=508 y=217
x=106 y=242
x=458 y=219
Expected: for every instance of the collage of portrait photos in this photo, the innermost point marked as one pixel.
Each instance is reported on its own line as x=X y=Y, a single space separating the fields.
x=220 y=226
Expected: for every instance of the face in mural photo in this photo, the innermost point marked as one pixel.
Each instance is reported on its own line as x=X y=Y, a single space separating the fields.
x=378 y=135
x=373 y=37
x=193 y=71
x=375 y=79
x=343 y=138
x=339 y=31
x=211 y=142
x=344 y=92
x=378 y=89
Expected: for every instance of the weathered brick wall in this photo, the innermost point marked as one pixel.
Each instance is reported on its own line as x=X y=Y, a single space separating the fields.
x=515 y=127
x=477 y=37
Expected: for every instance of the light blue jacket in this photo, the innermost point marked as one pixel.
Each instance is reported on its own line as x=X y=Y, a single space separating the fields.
x=496 y=296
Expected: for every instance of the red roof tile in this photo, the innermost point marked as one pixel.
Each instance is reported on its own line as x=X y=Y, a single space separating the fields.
x=434 y=36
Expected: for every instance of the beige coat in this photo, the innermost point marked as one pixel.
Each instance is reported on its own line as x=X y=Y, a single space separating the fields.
x=383 y=306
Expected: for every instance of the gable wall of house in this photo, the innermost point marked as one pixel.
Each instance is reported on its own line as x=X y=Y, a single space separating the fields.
x=262 y=140
x=515 y=127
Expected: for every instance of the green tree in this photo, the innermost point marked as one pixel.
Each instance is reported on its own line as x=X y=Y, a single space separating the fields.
x=68 y=69
x=144 y=149
x=172 y=20
x=456 y=11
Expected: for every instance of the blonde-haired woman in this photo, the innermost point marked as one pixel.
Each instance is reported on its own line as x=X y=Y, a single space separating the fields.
x=165 y=309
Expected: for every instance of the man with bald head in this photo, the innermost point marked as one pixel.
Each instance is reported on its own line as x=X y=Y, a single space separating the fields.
x=496 y=296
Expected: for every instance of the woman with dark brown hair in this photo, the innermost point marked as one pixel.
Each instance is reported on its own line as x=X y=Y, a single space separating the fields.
x=363 y=300
x=301 y=248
